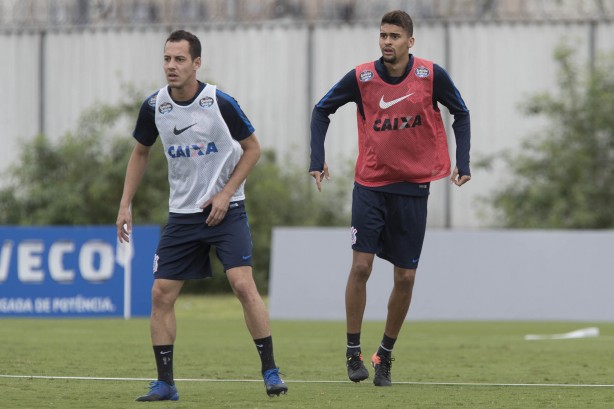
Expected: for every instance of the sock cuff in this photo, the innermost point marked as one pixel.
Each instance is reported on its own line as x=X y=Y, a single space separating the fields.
x=264 y=340
x=388 y=342
x=385 y=349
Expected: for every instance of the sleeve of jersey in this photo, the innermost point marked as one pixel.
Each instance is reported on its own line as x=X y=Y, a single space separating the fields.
x=240 y=127
x=145 y=130
x=346 y=90
x=445 y=92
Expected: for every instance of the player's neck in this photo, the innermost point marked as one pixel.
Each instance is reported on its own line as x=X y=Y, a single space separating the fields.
x=186 y=92
x=396 y=69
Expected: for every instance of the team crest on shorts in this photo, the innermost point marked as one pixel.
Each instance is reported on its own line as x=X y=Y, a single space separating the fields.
x=353 y=233
x=206 y=102
x=155 y=263
x=422 y=72
x=366 y=75
x=165 y=108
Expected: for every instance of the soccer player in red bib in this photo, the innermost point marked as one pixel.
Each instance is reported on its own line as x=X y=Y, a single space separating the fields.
x=402 y=148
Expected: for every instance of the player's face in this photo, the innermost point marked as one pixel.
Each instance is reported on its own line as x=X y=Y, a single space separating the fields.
x=394 y=42
x=179 y=67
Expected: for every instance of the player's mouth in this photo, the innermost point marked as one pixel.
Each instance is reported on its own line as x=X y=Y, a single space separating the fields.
x=388 y=51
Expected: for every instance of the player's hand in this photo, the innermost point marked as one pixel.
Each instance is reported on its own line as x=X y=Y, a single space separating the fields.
x=219 y=207
x=124 y=224
x=459 y=180
x=319 y=176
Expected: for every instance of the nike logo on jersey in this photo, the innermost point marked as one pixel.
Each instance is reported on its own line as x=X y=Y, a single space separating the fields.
x=384 y=105
x=180 y=131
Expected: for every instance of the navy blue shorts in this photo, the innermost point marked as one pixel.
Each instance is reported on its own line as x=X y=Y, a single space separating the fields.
x=392 y=226
x=183 y=250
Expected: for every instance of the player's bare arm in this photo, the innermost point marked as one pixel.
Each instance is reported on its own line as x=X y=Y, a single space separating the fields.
x=219 y=203
x=134 y=174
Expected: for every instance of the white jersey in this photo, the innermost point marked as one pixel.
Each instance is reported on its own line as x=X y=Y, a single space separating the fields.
x=201 y=152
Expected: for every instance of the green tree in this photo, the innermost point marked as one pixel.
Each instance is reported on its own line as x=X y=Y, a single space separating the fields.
x=78 y=180
x=562 y=176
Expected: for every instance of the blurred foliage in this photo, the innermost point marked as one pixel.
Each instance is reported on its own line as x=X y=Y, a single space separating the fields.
x=562 y=175
x=79 y=179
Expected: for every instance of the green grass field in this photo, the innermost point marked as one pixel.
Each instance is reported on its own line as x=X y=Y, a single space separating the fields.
x=438 y=364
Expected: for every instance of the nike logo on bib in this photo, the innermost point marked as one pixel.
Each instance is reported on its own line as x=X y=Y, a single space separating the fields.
x=383 y=104
x=179 y=131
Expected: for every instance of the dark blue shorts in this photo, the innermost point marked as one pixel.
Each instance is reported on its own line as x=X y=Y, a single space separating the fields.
x=183 y=251
x=392 y=226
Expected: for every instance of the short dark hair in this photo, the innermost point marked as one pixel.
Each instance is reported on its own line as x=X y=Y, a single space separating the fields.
x=193 y=41
x=401 y=19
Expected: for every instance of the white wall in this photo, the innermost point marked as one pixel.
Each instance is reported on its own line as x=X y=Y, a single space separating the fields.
x=266 y=68
x=19 y=106
x=463 y=275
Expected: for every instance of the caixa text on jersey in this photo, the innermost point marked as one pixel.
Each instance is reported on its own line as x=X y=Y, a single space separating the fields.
x=395 y=123
x=192 y=150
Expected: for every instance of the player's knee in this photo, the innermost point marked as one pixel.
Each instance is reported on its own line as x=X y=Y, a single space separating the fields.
x=405 y=278
x=244 y=288
x=161 y=298
x=361 y=271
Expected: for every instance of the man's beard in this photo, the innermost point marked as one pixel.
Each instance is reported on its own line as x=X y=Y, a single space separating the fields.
x=390 y=60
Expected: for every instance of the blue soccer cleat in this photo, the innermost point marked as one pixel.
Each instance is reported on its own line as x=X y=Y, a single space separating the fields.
x=273 y=383
x=159 y=390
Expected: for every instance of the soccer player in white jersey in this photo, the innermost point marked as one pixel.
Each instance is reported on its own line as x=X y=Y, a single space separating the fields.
x=211 y=148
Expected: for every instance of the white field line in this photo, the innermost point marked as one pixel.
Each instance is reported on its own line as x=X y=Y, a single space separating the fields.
x=478 y=384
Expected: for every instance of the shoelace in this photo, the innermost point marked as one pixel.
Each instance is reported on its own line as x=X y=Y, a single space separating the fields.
x=273 y=378
x=156 y=384
x=385 y=365
x=354 y=361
